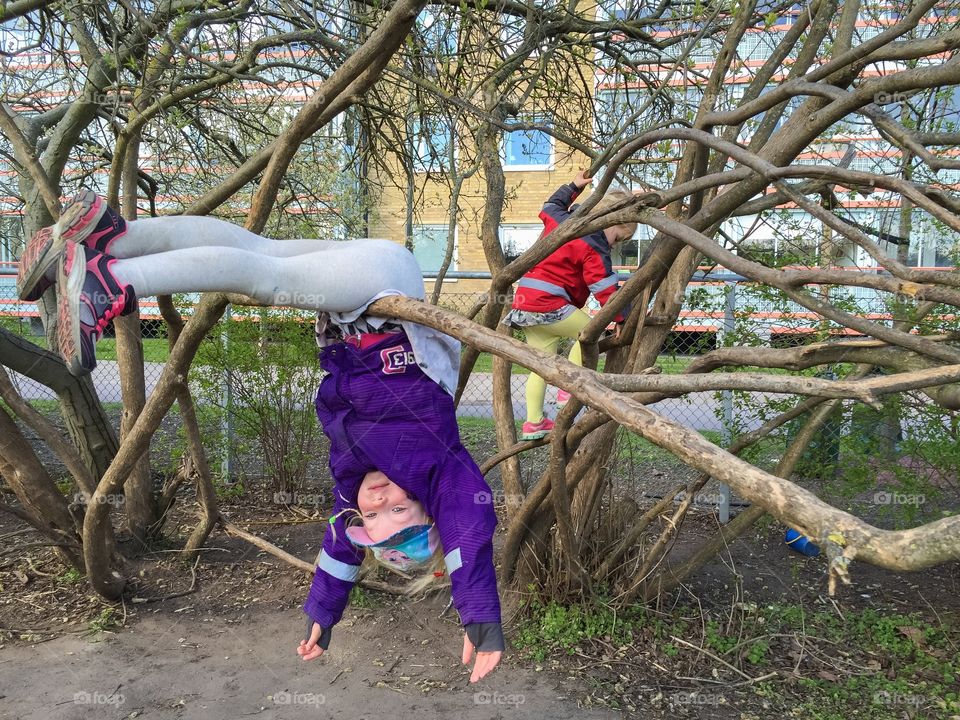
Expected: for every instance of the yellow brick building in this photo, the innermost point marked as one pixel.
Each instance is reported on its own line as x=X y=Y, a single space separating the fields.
x=526 y=190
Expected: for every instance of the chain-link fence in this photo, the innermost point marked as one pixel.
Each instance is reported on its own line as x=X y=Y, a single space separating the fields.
x=720 y=310
x=23 y=318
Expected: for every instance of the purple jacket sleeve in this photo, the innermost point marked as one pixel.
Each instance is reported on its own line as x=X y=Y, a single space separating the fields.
x=463 y=510
x=461 y=504
x=338 y=565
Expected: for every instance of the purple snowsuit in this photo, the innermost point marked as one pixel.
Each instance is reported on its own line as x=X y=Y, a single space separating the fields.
x=381 y=412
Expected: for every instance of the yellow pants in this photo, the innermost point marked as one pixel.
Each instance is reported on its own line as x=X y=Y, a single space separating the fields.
x=548 y=337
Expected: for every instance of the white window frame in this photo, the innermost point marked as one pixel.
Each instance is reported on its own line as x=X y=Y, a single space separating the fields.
x=426 y=21
x=536 y=228
x=423 y=161
x=608 y=10
x=539 y=120
x=507 y=31
x=11 y=224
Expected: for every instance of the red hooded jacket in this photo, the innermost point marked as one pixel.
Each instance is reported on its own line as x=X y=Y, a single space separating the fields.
x=576 y=269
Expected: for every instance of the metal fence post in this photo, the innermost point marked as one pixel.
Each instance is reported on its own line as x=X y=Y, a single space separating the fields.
x=226 y=467
x=723 y=504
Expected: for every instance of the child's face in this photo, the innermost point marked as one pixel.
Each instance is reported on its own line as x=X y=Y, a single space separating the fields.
x=386 y=508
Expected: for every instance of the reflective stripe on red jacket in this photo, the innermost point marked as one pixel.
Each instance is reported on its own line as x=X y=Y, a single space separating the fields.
x=576 y=269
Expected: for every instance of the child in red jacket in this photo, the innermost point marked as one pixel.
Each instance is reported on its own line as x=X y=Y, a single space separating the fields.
x=549 y=298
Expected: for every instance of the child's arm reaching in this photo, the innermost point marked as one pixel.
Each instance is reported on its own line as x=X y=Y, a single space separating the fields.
x=557 y=207
x=464 y=514
x=338 y=565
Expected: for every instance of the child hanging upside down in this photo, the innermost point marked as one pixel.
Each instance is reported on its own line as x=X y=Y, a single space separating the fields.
x=550 y=296
x=404 y=485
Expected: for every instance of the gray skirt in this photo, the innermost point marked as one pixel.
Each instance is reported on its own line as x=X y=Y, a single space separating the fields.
x=525 y=318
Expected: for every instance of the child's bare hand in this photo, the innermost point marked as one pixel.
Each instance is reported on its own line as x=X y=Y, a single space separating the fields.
x=317 y=640
x=486 y=661
x=582 y=179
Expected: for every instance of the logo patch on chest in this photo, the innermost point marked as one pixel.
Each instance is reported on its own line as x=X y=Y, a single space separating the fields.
x=397 y=359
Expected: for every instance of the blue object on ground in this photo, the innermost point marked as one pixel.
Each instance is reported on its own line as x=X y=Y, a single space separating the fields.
x=800 y=543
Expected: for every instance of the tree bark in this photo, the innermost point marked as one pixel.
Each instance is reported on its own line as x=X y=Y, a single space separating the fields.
x=488 y=149
x=104 y=579
x=87 y=423
x=36 y=491
x=206 y=493
x=68 y=454
x=140 y=507
x=843 y=536
x=670 y=578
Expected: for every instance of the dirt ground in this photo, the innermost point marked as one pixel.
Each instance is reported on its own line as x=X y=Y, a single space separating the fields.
x=205 y=665
x=217 y=639
x=226 y=649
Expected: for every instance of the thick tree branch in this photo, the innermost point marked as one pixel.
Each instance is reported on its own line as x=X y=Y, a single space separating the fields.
x=48 y=192
x=844 y=536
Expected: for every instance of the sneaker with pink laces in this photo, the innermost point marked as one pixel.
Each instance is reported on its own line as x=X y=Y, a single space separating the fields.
x=563 y=397
x=535 y=431
x=87 y=219
x=89 y=297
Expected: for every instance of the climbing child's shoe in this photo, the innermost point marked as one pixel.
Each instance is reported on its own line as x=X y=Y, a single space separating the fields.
x=39 y=257
x=88 y=219
x=535 y=431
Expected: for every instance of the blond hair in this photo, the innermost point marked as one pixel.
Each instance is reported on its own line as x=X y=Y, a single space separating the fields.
x=434 y=572
x=612 y=197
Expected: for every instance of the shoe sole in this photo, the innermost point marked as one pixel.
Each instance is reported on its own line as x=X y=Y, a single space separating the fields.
x=538 y=435
x=47 y=243
x=81 y=217
x=41 y=253
x=70 y=286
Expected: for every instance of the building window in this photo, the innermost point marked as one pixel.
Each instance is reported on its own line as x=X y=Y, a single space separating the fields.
x=943 y=9
x=793 y=104
x=615 y=109
x=528 y=149
x=705 y=51
x=517 y=239
x=758 y=45
x=631 y=252
x=431 y=137
x=511 y=32
x=612 y=10
x=692 y=97
x=625 y=9
x=430 y=247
